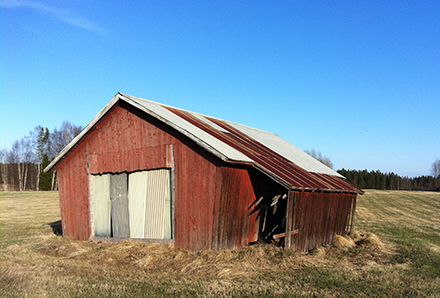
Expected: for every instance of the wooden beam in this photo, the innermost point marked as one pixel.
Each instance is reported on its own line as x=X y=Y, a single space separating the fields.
x=353 y=213
x=278 y=236
x=289 y=220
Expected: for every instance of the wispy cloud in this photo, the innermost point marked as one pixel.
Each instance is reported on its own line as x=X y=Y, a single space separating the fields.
x=64 y=15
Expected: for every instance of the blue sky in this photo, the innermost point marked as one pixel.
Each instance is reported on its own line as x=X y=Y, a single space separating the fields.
x=357 y=80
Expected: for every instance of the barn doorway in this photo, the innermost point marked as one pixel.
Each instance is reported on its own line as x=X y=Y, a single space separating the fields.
x=132 y=205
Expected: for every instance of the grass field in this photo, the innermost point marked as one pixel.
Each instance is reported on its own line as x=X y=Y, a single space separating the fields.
x=397 y=254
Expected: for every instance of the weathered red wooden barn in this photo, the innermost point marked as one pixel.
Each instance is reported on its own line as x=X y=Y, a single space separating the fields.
x=146 y=170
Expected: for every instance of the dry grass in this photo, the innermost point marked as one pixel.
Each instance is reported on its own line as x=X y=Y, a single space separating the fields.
x=36 y=263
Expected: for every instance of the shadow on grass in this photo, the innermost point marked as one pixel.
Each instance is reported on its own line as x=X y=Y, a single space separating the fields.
x=57 y=228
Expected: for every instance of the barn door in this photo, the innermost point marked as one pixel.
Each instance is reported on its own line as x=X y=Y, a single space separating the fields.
x=119 y=200
x=137 y=192
x=101 y=205
x=135 y=205
x=158 y=205
x=150 y=204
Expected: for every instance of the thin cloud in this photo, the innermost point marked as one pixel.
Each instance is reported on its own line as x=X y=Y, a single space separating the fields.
x=64 y=15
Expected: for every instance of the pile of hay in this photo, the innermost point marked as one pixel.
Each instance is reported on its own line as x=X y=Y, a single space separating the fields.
x=358 y=239
x=359 y=247
x=367 y=240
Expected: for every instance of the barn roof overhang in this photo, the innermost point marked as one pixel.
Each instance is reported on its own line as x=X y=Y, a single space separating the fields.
x=234 y=143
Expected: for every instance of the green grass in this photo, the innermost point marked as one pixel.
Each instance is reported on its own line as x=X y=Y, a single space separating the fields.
x=406 y=263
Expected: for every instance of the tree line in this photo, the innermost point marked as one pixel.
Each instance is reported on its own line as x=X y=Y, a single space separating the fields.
x=21 y=166
x=390 y=181
x=386 y=181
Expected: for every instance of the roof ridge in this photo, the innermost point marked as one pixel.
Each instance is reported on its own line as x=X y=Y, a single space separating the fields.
x=200 y=114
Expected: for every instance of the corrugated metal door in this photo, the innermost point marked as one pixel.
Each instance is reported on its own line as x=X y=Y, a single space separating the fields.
x=101 y=205
x=137 y=193
x=119 y=199
x=137 y=205
x=158 y=205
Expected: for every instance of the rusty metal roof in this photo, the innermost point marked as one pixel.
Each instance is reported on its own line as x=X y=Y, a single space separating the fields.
x=236 y=143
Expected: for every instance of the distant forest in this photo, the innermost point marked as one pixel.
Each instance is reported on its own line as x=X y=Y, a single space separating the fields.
x=21 y=166
x=389 y=181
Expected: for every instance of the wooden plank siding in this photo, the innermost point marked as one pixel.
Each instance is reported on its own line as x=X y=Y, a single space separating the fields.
x=318 y=217
x=74 y=195
x=211 y=199
x=234 y=224
x=127 y=140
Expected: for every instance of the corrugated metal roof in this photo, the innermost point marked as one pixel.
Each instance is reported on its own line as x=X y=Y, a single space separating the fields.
x=237 y=143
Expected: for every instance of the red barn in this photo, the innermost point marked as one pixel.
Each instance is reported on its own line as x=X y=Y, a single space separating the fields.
x=146 y=170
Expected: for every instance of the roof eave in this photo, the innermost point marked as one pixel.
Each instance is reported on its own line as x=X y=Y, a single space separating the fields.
x=78 y=138
x=118 y=97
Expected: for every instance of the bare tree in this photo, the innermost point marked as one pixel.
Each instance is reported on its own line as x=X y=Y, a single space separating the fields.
x=4 y=168
x=16 y=154
x=59 y=139
x=28 y=157
x=318 y=156
x=435 y=169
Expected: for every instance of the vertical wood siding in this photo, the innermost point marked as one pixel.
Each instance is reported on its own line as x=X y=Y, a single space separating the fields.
x=234 y=226
x=126 y=140
x=318 y=217
x=73 y=183
x=211 y=200
x=195 y=192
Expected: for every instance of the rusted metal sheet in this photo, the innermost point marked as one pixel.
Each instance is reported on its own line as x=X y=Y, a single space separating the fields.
x=287 y=173
x=119 y=200
x=228 y=141
x=212 y=198
x=101 y=205
x=318 y=217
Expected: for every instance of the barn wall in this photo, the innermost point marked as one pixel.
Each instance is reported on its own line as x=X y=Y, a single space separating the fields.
x=234 y=222
x=318 y=217
x=74 y=204
x=127 y=140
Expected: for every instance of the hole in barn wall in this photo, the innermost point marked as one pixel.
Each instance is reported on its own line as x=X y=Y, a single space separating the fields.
x=271 y=217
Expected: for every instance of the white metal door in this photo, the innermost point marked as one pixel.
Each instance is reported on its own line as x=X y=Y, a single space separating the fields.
x=158 y=205
x=101 y=205
x=137 y=193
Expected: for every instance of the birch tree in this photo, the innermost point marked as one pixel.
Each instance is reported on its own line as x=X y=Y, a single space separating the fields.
x=435 y=168
x=16 y=152
x=435 y=171
x=28 y=158
x=4 y=168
